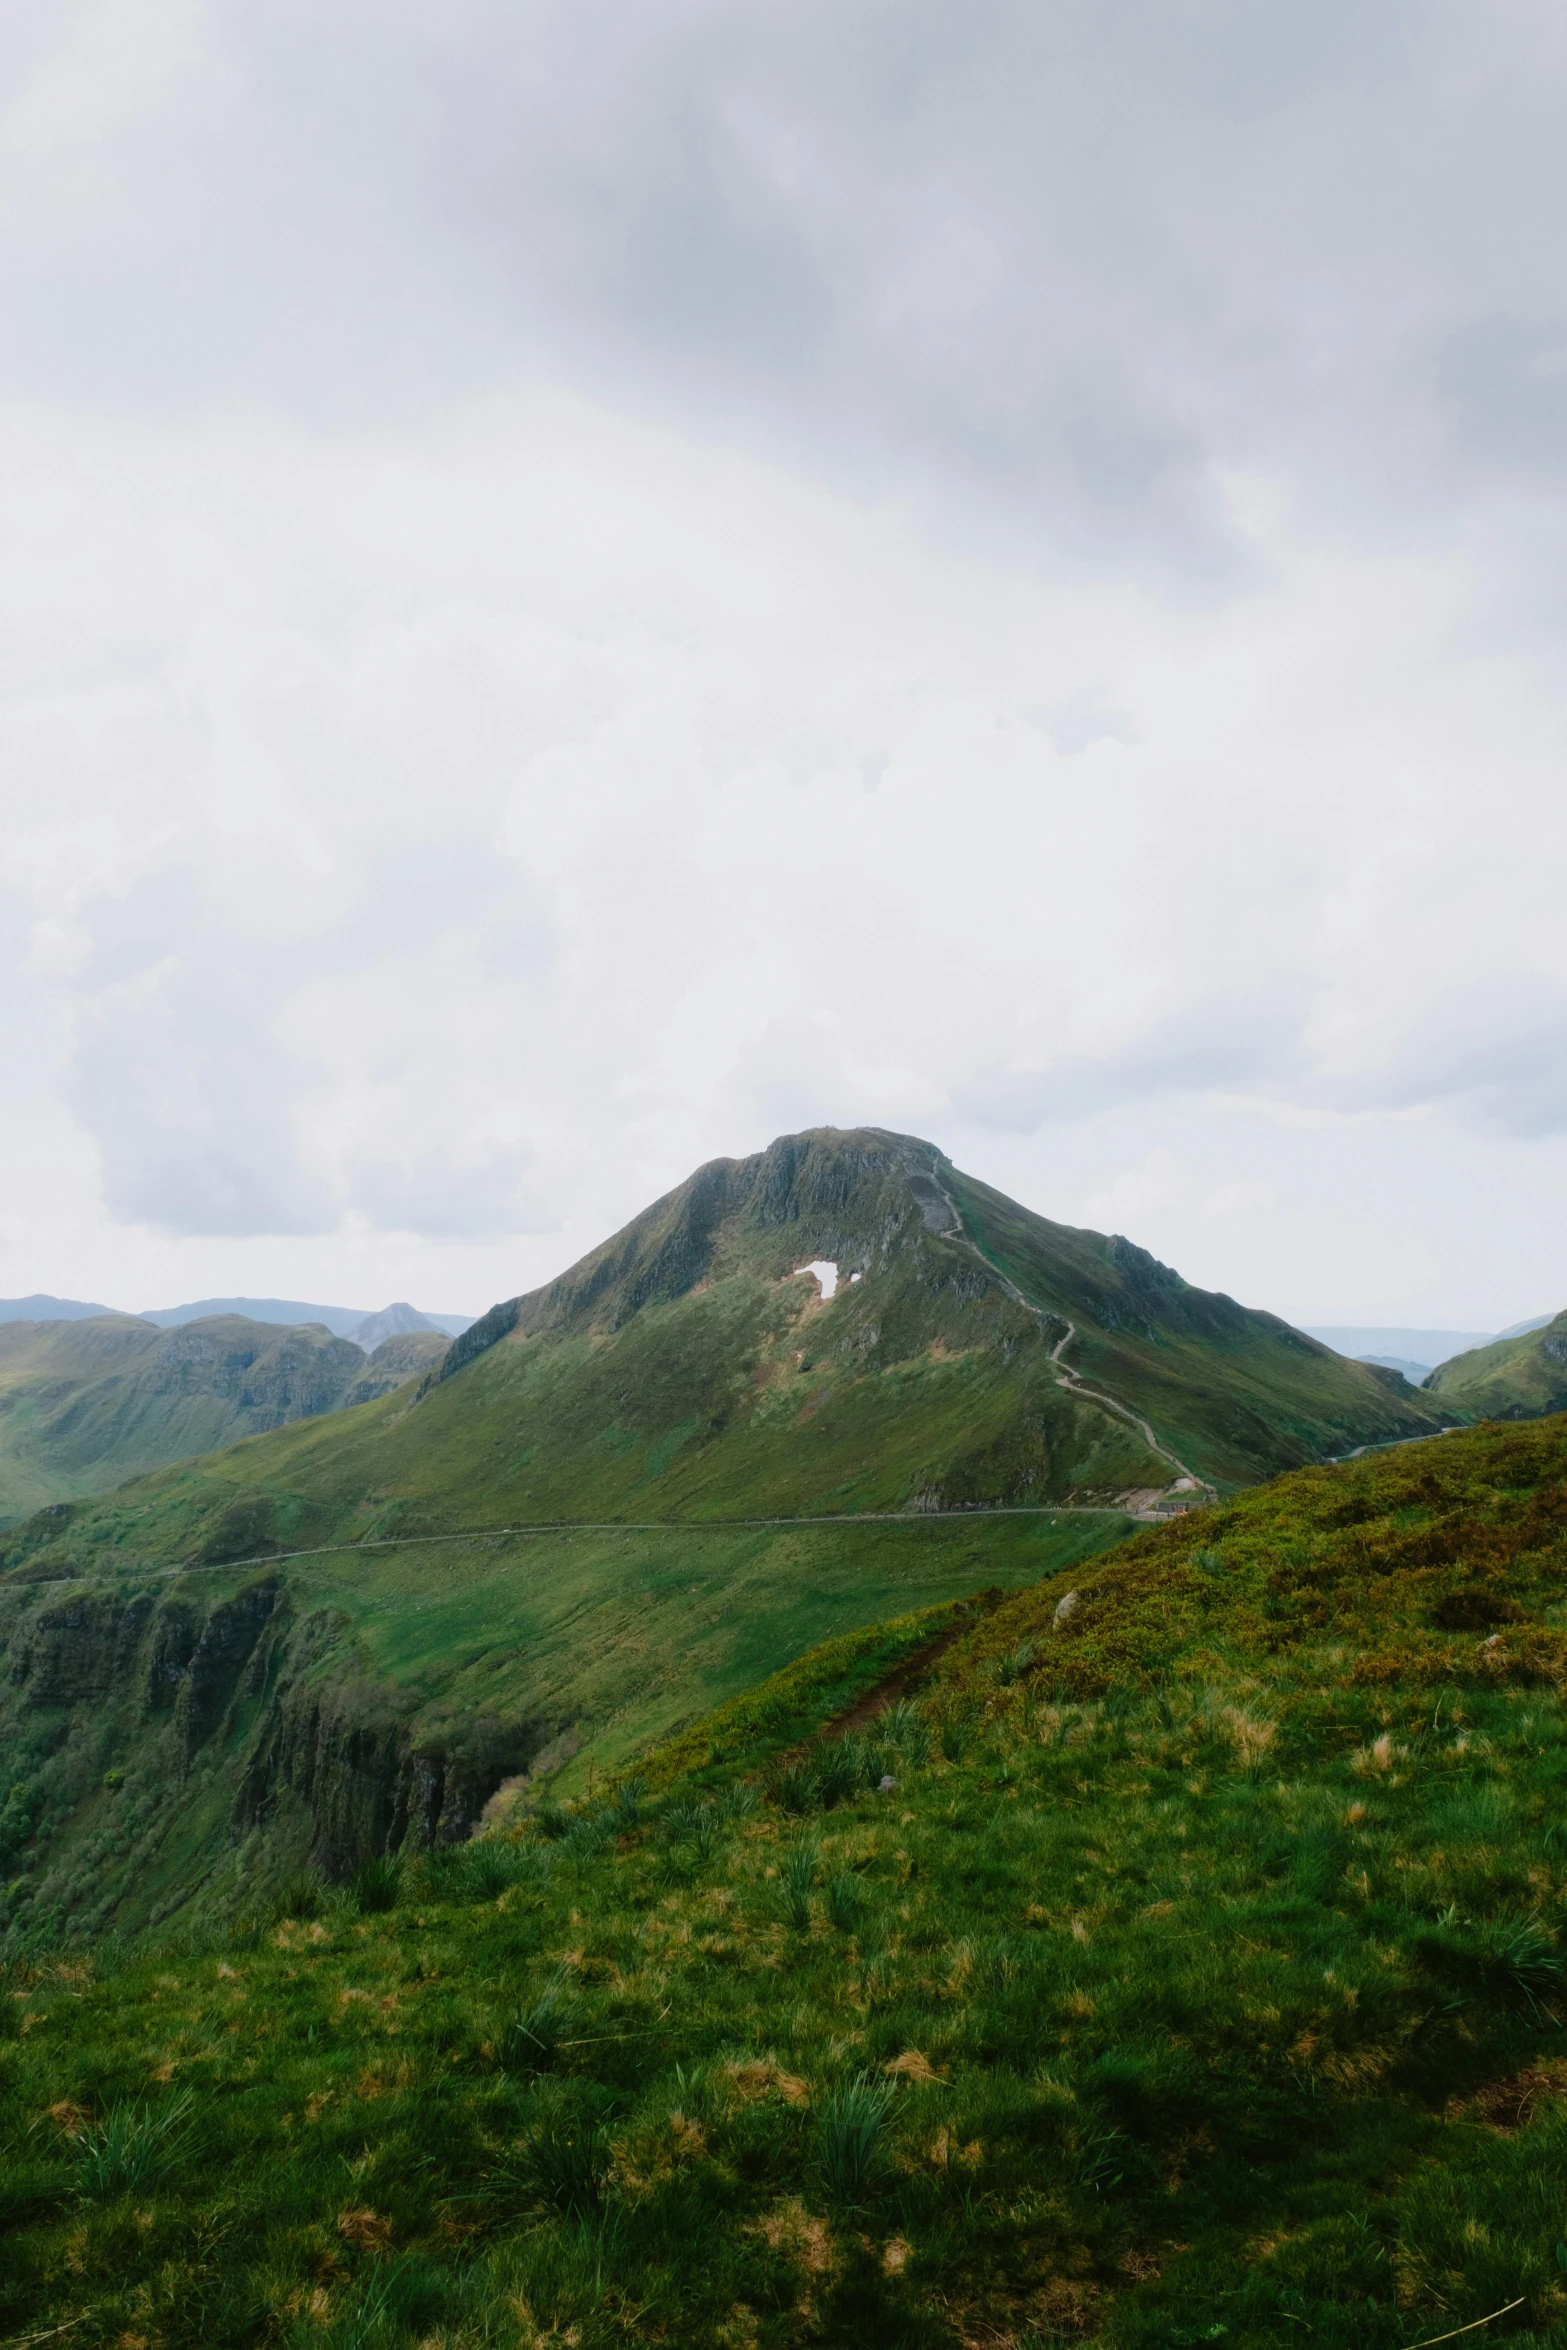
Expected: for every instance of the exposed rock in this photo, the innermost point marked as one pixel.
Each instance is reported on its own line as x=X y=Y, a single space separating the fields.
x=209 y=1680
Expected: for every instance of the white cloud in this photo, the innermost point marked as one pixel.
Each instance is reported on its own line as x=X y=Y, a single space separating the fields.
x=583 y=587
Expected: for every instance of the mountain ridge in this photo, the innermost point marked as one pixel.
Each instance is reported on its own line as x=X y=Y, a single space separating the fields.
x=86 y=1403
x=1515 y=1378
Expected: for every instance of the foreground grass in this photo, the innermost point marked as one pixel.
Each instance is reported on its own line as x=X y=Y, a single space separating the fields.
x=1220 y=2001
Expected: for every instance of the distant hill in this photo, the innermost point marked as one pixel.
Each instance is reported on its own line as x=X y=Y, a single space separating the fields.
x=397 y=1322
x=39 y=1308
x=1515 y=1379
x=343 y=1321
x=86 y=1404
x=1412 y=1351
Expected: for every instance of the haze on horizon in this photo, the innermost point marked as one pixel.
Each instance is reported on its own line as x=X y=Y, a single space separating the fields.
x=587 y=586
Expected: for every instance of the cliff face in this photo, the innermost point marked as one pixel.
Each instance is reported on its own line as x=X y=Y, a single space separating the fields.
x=127 y=1715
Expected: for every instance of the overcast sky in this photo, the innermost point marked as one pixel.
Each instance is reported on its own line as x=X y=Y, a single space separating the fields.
x=583 y=585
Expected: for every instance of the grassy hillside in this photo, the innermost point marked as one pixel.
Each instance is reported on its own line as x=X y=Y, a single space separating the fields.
x=1196 y=1979
x=86 y=1404
x=1516 y=1379
x=681 y=1404
x=173 y=1743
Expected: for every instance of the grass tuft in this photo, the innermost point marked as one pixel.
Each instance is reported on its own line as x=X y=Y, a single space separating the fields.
x=133 y=2147
x=851 y=2139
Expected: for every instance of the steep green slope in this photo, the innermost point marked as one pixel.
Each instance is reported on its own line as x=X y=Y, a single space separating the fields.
x=86 y=1404
x=1197 y=1978
x=1516 y=1379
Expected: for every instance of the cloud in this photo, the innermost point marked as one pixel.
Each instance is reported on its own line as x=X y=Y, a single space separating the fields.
x=583 y=585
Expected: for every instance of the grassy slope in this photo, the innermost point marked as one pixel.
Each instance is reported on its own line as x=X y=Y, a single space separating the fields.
x=1237 y=1393
x=1199 y=1980
x=1516 y=1379
x=608 y=1641
x=86 y=1405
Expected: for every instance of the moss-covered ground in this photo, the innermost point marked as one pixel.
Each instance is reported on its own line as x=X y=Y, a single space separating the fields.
x=1196 y=1978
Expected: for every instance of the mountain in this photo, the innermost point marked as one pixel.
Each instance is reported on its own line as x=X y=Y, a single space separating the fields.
x=342 y=1321
x=1413 y=1351
x=39 y=1308
x=86 y=1404
x=631 y=1493
x=1518 y=1329
x=1171 y=1954
x=1515 y=1379
x=397 y=1322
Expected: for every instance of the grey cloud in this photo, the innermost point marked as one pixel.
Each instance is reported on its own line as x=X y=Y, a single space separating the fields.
x=1503 y=382
x=1051 y=269
x=193 y=1076
x=1217 y=1047
x=1495 y=1055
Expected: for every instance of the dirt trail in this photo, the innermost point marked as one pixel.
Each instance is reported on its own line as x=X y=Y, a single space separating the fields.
x=881 y=1697
x=1065 y=1376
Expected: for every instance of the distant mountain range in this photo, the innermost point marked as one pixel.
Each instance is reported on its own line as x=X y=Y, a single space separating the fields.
x=86 y=1403
x=365 y=1329
x=1414 y=1352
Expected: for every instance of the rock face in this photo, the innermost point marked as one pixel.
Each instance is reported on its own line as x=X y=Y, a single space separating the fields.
x=374 y=1780
x=273 y=1714
x=406 y=1355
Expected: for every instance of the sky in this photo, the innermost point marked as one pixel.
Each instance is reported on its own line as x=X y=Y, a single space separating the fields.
x=586 y=585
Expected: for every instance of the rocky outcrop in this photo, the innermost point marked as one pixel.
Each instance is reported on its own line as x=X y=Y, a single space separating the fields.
x=211 y=1677
x=279 y=1707
x=374 y=1778
x=82 y=1647
x=404 y=1356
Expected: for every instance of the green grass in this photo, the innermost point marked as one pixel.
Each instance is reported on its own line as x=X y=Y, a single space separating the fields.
x=598 y=1645
x=1513 y=1379
x=1201 y=1982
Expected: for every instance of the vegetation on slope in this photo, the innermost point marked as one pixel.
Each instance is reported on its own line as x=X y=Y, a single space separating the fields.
x=175 y=1744
x=685 y=1375
x=85 y=1405
x=1196 y=1979
x=685 y=1371
x=1514 y=1379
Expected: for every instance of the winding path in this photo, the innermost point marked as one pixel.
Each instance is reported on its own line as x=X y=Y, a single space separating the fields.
x=1066 y=1377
